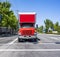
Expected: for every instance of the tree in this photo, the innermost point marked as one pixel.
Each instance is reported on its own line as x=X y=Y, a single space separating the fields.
x=59 y=30
x=56 y=25
x=9 y=19
x=48 y=24
x=40 y=29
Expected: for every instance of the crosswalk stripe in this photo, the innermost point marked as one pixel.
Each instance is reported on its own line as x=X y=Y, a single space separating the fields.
x=30 y=50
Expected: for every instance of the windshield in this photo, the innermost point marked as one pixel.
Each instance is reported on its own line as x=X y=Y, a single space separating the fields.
x=27 y=25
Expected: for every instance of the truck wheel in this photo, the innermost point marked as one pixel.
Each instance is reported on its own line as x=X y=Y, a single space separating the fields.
x=34 y=40
x=18 y=39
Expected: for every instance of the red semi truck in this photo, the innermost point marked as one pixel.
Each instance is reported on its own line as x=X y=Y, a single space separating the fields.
x=27 y=28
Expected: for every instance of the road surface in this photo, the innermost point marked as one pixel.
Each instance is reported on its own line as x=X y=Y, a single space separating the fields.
x=47 y=46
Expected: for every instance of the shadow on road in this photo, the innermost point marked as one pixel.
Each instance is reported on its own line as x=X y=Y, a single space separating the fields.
x=34 y=41
x=7 y=35
x=57 y=42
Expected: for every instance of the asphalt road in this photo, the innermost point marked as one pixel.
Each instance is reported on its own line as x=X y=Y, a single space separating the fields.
x=47 y=46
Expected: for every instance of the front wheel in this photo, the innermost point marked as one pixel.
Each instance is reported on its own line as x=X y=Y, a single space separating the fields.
x=34 y=40
x=20 y=40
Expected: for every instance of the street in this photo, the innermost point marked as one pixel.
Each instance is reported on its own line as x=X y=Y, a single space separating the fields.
x=47 y=46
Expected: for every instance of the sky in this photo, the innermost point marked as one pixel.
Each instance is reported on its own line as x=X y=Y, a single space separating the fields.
x=45 y=9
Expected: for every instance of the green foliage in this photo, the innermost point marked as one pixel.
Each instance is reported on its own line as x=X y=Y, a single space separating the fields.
x=9 y=19
x=40 y=29
x=59 y=30
x=48 y=24
x=56 y=25
x=50 y=32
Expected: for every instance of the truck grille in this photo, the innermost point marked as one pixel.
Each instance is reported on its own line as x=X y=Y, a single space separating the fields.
x=27 y=32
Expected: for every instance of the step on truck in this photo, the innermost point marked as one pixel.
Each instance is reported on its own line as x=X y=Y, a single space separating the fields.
x=27 y=28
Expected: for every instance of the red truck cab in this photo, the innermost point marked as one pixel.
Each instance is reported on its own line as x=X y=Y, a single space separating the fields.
x=27 y=26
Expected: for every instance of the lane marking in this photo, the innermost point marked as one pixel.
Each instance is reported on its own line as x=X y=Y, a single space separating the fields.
x=12 y=41
x=54 y=38
x=45 y=43
x=30 y=50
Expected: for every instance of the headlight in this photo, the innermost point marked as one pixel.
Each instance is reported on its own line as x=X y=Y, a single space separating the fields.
x=19 y=33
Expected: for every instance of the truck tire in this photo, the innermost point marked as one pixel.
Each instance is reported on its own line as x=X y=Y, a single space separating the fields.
x=35 y=40
x=20 y=40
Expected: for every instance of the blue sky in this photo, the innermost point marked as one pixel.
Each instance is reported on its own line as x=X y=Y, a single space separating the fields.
x=45 y=9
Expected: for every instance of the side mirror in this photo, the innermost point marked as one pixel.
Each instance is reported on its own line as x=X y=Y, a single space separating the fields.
x=36 y=26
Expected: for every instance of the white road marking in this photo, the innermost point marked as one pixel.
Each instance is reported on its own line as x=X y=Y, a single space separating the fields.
x=29 y=50
x=54 y=38
x=12 y=41
x=45 y=43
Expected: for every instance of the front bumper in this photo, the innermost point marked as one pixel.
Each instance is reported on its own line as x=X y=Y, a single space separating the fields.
x=27 y=37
